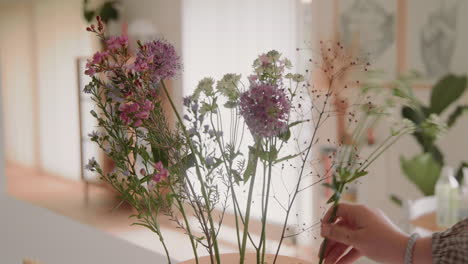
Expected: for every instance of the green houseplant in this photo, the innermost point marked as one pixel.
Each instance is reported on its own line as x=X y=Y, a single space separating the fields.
x=431 y=121
x=107 y=11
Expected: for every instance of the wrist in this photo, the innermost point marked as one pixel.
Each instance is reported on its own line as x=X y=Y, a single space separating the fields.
x=423 y=251
x=400 y=246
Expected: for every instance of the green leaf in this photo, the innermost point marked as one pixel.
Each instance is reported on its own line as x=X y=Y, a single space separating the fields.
x=459 y=174
x=459 y=111
x=287 y=158
x=335 y=197
x=271 y=155
x=423 y=171
x=297 y=123
x=328 y=185
x=395 y=199
x=357 y=175
x=88 y=15
x=237 y=176
x=186 y=162
x=447 y=91
x=108 y=12
x=230 y=104
x=344 y=174
x=285 y=136
x=436 y=154
x=159 y=155
x=251 y=168
x=206 y=107
x=411 y=114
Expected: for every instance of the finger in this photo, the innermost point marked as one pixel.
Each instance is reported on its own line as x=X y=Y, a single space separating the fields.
x=350 y=257
x=330 y=245
x=343 y=211
x=340 y=234
x=336 y=253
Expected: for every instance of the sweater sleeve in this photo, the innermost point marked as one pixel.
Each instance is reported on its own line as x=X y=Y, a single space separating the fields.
x=451 y=246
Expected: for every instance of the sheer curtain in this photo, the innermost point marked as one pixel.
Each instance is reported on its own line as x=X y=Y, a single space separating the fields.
x=226 y=36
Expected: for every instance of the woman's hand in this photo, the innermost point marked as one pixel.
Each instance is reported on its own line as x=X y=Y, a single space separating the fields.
x=360 y=231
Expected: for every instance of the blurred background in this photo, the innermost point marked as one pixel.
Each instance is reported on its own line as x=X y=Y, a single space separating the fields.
x=44 y=47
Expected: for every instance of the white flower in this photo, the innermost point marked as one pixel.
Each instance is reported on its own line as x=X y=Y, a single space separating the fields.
x=228 y=86
x=204 y=86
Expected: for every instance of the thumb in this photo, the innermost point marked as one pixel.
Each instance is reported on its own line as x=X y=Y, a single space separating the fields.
x=340 y=234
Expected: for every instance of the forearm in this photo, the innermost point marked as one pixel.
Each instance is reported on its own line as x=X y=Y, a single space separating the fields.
x=423 y=251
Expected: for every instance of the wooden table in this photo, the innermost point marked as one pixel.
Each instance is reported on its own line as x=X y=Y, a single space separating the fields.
x=250 y=258
x=428 y=222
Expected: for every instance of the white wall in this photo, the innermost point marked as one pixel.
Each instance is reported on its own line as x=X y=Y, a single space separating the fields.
x=2 y=154
x=16 y=63
x=30 y=232
x=60 y=39
x=39 y=44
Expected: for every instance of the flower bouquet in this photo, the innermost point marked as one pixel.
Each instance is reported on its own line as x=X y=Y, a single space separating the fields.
x=229 y=146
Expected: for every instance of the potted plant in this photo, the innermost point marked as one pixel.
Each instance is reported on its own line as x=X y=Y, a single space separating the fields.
x=431 y=122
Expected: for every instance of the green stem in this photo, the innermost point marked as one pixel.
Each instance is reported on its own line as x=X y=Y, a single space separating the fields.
x=197 y=168
x=247 y=216
x=330 y=220
x=155 y=225
x=229 y=171
x=187 y=227
x=262 y=244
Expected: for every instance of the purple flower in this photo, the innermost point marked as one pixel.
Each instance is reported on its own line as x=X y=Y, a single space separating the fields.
x=253 y=79
x=92 y=164
x=210 y=161
x=265 y=109
x=195 y=107
x=187 y=101
x=192 y=131
x=158 y=59
x=115 y=43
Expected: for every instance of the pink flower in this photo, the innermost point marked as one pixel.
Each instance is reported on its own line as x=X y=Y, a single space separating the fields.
x=134 y=113
x=264 y=59
x=252 y=79
x=158 y=59
x=115 y=43
x=138 y=123
x=94 y=64
x=265 y=109
x=160 y=173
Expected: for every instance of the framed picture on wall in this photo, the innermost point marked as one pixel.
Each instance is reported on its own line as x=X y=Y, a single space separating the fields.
x=370 y=26
x=437 y=37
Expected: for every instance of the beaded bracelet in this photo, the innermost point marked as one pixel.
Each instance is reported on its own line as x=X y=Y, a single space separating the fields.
x=410 y=248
